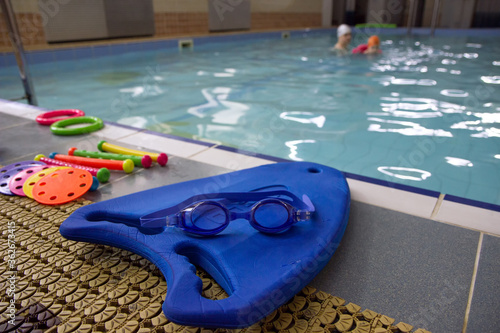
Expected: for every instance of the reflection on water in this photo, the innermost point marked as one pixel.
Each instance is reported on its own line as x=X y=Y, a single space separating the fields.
x=408 y=128
x=459 y=109
x=218 y=107
x=460 y=162
x=454 y=93
x=304 y=118
x=293 y=146
x=367 y=115
x=491 y=79
x=405 y=173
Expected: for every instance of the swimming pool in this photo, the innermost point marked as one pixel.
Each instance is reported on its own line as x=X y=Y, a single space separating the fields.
x=425 y=113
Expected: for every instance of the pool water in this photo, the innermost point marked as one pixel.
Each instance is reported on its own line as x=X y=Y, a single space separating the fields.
x=425 y=113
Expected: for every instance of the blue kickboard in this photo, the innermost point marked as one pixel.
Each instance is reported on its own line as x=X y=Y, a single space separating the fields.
x=259 y=271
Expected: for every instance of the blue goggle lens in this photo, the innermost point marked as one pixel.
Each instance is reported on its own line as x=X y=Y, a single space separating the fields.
x=208 y=217
x=271 y=215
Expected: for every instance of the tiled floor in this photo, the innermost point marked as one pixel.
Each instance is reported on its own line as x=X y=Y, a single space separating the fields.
x=395 y=258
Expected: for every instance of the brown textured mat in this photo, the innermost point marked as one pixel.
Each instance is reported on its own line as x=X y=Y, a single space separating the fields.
x=66 y=286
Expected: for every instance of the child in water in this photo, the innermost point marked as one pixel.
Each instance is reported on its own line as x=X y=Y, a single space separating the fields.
x=373 y=47
x=344 y=38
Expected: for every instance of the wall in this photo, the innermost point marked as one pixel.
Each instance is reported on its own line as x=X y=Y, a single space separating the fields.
x=428 y=11
x=277 y=14
x=180 y=17
x=387 y=11
x=452 y=14
x=29 y=22
x=456 y=13
x=172 y=17
x=487 y=14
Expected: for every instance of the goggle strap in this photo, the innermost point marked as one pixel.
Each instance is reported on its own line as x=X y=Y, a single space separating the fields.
x=157 y=222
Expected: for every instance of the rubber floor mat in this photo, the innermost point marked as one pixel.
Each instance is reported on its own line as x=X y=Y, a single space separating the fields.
x=66 y=286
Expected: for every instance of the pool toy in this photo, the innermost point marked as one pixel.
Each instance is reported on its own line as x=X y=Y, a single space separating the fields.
x=95 y=184
x=127 y=165
x=7 y=172
x=33 y=179
x=160 y=158
x=102 y=174
x=59 y=127
x=47 y=118
x=144 y=161
x=62 y=186
x=17 y=181
x=259 y=271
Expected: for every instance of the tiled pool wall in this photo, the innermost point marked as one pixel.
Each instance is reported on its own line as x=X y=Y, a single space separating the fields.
x=116 y=46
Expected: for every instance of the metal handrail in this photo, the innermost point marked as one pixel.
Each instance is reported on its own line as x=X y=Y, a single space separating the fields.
x=412 y=12
x=435 y=13
x=412 y=15
x=17 y=44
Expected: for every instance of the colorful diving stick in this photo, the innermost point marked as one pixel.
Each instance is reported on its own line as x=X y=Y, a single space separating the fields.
x=160 y=158
x=127 y=165
x=102 y=174
x=144 y=161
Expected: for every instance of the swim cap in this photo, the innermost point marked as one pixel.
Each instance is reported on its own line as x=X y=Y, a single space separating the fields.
x=373 y=40
x=343 y=29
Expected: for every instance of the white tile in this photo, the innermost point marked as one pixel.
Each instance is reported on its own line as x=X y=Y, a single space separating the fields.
x=30 y=115
x=20 y=109
x=162 y=144
x=112 y=132
x=469 y=217
x=229 y=160
x=391 y=198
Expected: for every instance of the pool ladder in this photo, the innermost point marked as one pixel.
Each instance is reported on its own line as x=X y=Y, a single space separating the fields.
x=413 y=13
x=15 y=37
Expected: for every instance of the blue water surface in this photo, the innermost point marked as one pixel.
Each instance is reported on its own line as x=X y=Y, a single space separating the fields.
x=425 y=113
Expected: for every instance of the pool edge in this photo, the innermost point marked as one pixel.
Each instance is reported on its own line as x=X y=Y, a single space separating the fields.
x=458 y=211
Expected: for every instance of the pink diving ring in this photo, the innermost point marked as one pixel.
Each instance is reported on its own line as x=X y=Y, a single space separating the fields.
x=47 y=118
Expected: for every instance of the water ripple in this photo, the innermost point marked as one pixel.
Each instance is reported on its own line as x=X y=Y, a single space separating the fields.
x=491 y=79
x=405 y=173
x=454 y=93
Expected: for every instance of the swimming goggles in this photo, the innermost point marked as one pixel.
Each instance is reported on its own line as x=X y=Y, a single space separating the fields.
x=205 y=215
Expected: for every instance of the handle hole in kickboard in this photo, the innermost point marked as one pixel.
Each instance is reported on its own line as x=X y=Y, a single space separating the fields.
x=314 y=170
